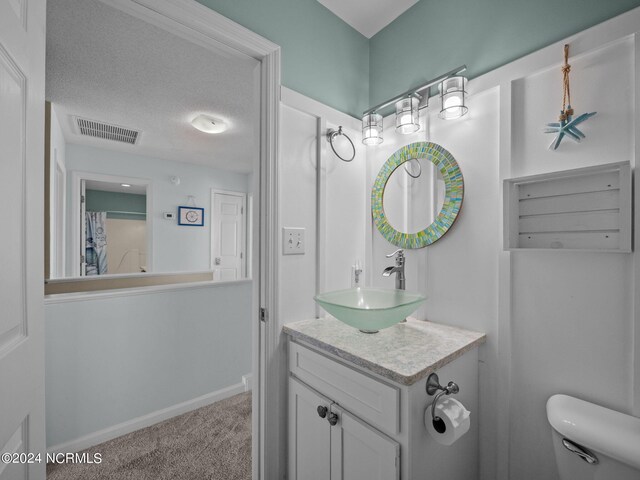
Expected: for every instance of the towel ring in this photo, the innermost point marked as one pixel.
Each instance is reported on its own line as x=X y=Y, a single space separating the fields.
x=331 y=134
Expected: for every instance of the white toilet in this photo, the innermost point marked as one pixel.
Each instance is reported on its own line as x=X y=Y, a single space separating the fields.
x=592 y=442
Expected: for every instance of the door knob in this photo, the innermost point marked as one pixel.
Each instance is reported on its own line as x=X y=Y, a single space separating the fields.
x=217 y=261
x=333 y=419
x=322 y=411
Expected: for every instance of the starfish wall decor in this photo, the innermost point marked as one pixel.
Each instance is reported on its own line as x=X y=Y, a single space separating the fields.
x=566 y=125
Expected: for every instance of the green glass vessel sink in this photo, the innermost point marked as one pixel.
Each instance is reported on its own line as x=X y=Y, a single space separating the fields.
x=370 y=309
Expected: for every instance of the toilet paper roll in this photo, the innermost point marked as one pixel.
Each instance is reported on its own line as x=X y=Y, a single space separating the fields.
x=455 y=421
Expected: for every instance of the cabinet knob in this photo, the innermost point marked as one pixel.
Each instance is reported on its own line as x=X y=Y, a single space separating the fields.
x=333 y=419
x=322 y=411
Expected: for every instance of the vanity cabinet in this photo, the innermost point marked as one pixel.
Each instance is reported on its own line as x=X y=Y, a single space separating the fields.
x=328 y=442
x=355 y=415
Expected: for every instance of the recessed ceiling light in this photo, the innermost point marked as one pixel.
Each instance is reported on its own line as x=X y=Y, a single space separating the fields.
x=209 y=124
x=125 y=185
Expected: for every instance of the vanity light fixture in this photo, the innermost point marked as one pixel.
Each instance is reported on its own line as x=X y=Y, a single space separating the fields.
x=125 y=185
x=452 y=97
x=409 y=103
x=372 y=129
x=407 y=113
x=208 y=124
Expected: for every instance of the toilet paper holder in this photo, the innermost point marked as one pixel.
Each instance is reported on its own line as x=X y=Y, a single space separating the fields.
x=433 y=386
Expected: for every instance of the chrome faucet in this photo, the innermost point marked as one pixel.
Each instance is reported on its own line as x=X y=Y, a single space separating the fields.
x=398 y=269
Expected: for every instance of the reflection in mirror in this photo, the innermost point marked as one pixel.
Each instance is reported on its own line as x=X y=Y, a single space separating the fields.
x=124 y=154
x=117 y=212
x=413 y=196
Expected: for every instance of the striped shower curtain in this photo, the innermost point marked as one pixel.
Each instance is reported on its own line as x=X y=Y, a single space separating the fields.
x=96 y=244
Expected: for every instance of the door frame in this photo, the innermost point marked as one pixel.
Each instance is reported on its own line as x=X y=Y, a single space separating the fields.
x=195 y=22
x=243 y=234
x=76 y=221
x=58 y=215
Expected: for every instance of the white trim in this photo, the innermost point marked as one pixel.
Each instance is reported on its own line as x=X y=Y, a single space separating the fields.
x=271 y=365
x=634 y=374
x=296 y=100
x=76 y=178
x=134 y=424
x=247 y=381
x=57 y=215
x=133 y=291
x=197 y=23
x=243 y=233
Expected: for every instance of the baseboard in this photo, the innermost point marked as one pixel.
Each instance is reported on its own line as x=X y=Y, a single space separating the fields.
x=247 y=381
x=132 y=425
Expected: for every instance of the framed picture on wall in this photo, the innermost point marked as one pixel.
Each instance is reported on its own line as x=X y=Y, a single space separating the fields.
x=191 y=216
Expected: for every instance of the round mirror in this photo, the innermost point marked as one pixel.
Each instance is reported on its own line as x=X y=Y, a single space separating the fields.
x=417 y=195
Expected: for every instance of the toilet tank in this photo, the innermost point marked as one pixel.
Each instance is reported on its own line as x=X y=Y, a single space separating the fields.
x=613 y=438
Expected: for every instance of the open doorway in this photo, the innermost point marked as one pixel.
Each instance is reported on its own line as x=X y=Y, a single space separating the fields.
x=22 y=331
x=145 y=132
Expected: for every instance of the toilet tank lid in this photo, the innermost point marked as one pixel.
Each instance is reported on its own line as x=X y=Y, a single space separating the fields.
x=598 y=428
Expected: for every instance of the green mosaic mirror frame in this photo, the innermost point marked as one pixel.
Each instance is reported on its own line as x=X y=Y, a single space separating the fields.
x=454 y=192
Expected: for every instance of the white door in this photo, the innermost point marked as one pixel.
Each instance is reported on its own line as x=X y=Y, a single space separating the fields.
x=227 y=235
x=360 y=452
x=309 y=433
x=22 y=58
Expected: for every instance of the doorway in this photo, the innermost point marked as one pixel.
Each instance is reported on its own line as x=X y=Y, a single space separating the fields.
x=22 y=59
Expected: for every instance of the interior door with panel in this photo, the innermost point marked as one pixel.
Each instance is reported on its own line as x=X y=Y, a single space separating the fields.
x=228 y=235
x=360 y=452
x=22 y=61
x=309 y=433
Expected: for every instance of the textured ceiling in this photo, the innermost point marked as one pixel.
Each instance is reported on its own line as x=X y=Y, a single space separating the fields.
x=368 y=16
x=103 y=64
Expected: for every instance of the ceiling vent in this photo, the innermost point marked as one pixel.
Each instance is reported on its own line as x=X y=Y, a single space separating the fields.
x=106 y=131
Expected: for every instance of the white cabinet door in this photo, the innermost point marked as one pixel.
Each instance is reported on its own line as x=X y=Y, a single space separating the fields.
x=309 y=434
x=22 y=58
x=359 y=452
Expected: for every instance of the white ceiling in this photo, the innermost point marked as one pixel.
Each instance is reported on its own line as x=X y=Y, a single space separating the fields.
x=105 y=65
x=368 y=16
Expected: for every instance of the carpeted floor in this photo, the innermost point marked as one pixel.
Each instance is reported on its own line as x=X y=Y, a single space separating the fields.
x=211 y=443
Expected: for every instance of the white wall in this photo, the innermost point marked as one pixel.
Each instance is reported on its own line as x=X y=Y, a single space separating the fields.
x=175 y=248
x=111 y=360
x=557 y=322
x=322 y=194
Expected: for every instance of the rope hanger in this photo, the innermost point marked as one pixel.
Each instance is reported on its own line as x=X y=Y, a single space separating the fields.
x=566 y=125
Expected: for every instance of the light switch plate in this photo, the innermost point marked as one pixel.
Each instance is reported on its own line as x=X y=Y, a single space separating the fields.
x=293 y=241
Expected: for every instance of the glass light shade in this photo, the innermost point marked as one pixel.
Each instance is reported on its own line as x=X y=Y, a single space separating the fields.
x=372 y=129
x=208 y=124
x=453 y=98
x=407 y=115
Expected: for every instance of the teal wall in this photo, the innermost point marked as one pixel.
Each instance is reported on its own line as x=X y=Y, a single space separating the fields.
x=322 y=57
x=326 y=59
x=435 y=36
x=110 y=202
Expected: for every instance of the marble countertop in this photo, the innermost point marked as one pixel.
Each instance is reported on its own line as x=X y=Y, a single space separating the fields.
x=404 y=353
